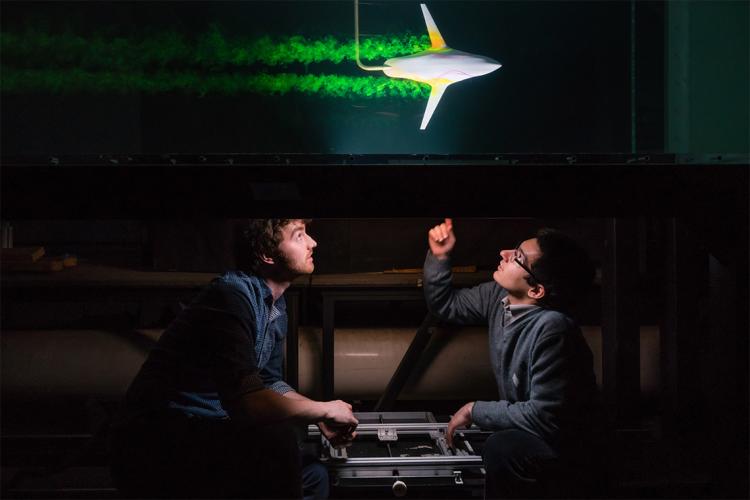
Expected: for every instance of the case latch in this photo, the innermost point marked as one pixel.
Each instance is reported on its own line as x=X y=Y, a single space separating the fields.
x=457 y=477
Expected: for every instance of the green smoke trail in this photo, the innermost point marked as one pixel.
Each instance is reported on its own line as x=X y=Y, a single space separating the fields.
x=81 y=81
x=212 y=49
x=209 y=63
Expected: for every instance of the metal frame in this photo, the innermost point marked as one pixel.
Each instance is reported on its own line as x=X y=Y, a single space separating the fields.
x=462 y=469
x=329 y=313
x=620 y=322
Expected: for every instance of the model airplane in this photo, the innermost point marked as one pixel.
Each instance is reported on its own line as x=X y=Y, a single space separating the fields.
x=438 y=66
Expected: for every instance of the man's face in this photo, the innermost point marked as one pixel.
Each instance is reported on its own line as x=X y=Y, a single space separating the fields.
x=296 y=249
x=512 y=276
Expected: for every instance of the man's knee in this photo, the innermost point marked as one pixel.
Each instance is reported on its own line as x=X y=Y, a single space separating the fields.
x=215 y=459
x=272 y=449
x=517 y=455
x=505 y=450
x=315 y=481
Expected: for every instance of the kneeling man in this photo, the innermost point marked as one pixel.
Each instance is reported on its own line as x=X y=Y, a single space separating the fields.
x=544 y=420
x=208 y=415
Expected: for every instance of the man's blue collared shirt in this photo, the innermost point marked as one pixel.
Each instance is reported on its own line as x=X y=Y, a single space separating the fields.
x=227 y=342
x=270 y=327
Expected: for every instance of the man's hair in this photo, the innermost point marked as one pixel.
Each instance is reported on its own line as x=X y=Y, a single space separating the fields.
x=259 y=237
x=564 y=268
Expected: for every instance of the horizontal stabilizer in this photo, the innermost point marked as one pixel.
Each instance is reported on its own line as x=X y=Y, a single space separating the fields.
x=435 y=95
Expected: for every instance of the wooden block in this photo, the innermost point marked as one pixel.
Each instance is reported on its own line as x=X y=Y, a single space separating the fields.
x=464 y=269
x=455 y=269
x=21 y=254
x=69 y=260
x=403 y=271
x=45 y=264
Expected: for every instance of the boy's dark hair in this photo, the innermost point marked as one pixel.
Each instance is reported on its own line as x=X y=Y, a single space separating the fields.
x=259 y=237
x=564 y=268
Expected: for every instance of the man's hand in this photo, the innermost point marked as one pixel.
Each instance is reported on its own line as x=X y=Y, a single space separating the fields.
x=339 y=437
x=462 y=418
x=339 y=414
x=339 y=424
x=442 y=239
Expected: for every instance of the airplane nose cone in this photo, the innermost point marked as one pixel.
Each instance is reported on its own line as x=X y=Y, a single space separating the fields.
x=487 y=66
x=492 y=65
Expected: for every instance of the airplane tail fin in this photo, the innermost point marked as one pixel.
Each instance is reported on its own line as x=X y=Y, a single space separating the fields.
x=436 y=39
x=356 y=42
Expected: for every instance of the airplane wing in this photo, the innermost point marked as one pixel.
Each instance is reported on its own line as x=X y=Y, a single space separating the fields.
x=435 y=37
x=435 y=94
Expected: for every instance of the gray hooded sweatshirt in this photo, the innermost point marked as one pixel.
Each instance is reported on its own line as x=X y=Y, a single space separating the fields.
x=542 y=364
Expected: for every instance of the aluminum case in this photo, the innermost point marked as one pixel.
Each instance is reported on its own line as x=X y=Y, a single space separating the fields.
x=407 y=453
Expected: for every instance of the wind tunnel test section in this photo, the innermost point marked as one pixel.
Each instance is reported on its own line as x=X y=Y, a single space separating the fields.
x=314 y=78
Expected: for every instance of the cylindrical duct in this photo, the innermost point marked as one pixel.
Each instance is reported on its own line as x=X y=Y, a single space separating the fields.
x=455 y=365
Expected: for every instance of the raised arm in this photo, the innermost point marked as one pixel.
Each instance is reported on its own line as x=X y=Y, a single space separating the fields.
x=462 y=306
x=441 y=239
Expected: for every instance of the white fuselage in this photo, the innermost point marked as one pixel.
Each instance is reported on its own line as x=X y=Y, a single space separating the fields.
x=439 y=66
x=445 y=65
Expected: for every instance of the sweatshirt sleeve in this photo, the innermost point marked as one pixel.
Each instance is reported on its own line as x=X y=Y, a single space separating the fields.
x=553 y=396
x=462 y=306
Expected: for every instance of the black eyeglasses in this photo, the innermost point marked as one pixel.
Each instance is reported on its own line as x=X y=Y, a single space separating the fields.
x=519 y=257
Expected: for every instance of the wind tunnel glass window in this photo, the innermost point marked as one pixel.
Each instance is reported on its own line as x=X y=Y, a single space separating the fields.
x=291 y=77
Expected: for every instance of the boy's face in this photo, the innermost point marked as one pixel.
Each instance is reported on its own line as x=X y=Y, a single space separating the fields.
x=296 y=248
x=510 y=274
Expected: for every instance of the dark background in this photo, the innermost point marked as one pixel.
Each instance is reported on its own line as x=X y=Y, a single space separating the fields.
x=623 y=123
